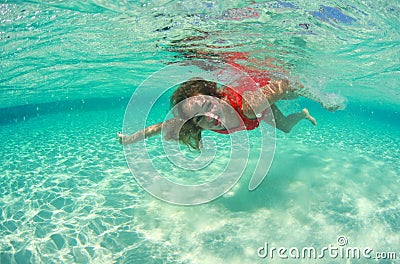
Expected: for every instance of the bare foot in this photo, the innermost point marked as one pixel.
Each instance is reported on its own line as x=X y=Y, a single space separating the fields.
x=308 y=116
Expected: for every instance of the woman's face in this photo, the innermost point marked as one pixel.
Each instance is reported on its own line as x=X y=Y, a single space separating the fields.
x=207 y=111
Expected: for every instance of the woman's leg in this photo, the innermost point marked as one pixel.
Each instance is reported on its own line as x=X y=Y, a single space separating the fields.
x=286 y=123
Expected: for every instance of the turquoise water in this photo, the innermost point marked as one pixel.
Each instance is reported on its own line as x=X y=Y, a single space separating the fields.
x=68 y=70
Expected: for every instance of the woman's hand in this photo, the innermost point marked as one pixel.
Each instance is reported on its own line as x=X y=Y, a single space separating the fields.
x=126 y=139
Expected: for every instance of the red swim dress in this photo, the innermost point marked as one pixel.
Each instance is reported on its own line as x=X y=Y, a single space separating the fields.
x=234 y=96
x=235 y=99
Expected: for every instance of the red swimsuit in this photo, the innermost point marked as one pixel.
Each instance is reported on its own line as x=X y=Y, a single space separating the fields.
x=235 y=99
x=235 y=96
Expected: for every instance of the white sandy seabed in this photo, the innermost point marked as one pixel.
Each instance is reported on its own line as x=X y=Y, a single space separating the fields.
x=67 y=195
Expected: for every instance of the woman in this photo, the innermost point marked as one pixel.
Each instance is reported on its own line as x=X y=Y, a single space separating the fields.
x=200 y=105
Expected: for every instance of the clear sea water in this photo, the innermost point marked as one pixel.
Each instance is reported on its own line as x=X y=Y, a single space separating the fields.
x=68 y=69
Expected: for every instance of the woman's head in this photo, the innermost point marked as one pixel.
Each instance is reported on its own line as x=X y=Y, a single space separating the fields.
x=193 y=87
x=190 y=132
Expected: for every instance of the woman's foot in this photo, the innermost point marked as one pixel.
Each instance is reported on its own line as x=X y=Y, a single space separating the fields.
x=308 y=116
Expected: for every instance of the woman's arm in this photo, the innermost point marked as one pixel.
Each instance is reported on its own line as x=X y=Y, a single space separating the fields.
x=255 y=102
x=140 y=135
x=171 y=128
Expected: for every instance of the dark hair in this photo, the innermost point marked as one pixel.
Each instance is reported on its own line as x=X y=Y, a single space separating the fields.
x=190 y=133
